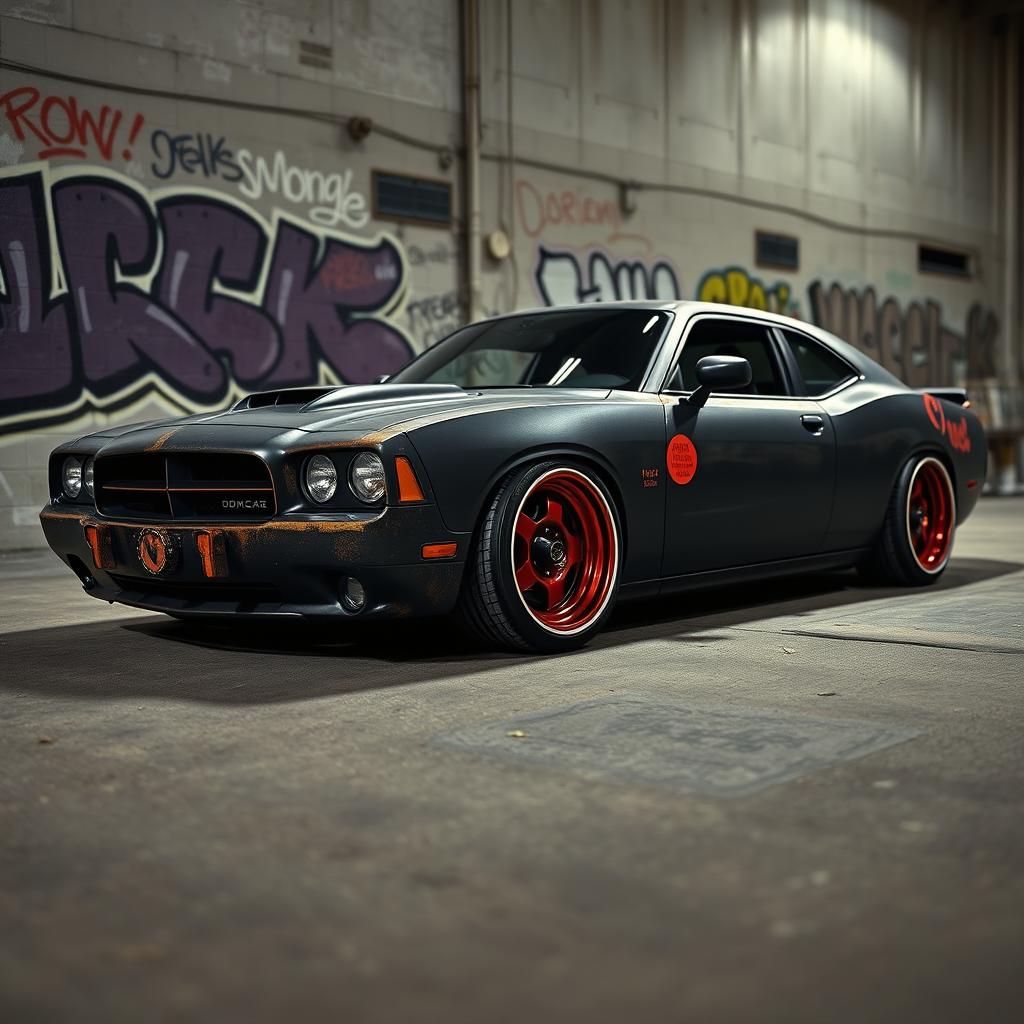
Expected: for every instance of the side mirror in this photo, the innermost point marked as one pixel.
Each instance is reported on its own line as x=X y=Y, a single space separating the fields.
x=719 y=373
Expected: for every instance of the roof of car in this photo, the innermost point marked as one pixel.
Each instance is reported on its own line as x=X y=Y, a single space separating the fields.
x=688 y=306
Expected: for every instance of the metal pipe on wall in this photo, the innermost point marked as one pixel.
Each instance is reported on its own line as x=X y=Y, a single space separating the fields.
x=1011 y=201
x=471 y=131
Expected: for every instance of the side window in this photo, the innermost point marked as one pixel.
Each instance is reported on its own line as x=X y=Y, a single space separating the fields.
x=710 y=337
x=821 y=369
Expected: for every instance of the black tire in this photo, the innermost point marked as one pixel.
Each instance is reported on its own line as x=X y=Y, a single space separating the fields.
x=916 y=539
x=560 y=503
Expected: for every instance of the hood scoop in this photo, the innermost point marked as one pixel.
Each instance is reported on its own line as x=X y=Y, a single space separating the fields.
x=333 y=397
x=336 y=398
x=288 y=396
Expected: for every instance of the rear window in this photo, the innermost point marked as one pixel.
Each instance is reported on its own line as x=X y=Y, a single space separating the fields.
x=822 y=370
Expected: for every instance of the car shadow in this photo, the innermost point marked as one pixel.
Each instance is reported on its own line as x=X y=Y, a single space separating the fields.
x=166 y=658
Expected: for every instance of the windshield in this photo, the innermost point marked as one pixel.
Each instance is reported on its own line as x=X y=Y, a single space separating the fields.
x=589 y=348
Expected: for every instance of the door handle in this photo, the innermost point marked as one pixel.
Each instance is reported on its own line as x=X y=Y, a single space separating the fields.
x=813 y=424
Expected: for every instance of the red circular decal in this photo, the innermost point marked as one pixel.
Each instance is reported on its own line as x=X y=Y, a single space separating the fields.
x=682 y=459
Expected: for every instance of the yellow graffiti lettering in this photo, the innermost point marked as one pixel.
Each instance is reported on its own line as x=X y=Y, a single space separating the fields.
x=737 y=287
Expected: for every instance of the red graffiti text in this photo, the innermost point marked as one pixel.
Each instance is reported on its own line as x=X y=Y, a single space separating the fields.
x=538 y=210
x=64 y=127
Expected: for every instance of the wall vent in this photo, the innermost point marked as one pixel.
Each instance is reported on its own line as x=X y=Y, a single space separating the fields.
x=316 y=55
x=781 y=252
x=416 y=200
x=933 y=260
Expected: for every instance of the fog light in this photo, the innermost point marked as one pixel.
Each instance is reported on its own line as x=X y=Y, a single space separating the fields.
x=353 y=596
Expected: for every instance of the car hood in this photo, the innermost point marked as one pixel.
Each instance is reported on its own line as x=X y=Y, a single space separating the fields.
x=372 y=413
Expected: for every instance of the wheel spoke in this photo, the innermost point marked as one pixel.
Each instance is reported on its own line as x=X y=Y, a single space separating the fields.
x=555 y=589
x=526 y=576
x=573 y=550
x=525 y=528
x=555 y=513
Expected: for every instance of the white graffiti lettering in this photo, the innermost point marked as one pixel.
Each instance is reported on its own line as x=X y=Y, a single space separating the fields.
x=337 y=201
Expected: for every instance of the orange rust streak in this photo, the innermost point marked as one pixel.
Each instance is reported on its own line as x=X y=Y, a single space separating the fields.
x=304 y=526
x=162 y=440
x=242 y=490
x=378 y=437
x=239 y=530
x=80 y=516
x=408 y=486
x=439 y=550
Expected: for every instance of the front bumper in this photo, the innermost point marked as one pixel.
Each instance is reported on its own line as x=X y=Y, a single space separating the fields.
x=290 y=566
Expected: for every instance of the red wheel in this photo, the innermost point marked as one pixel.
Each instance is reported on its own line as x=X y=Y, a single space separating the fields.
x=564 y=551
x=930 y=515
x=913 y=546
x=546 y=566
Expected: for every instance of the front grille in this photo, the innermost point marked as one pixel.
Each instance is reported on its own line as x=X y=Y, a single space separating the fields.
x=203 y=592
x=198 y=486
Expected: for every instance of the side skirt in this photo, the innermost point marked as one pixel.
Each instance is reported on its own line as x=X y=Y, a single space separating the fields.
x=743 y=574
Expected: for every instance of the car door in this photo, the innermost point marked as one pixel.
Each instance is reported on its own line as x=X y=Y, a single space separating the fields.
x=751 y=474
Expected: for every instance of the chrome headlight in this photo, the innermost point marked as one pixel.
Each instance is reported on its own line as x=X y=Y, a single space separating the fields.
x=321 y=478
x=366 y=477
x=89 y=477
x=71 y=476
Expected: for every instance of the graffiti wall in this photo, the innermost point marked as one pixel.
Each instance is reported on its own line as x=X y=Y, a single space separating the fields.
x=910 y=339
x=158 y=260
x=114 y=292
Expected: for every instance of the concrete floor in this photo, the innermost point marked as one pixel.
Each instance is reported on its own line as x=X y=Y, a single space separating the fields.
x=796 y=801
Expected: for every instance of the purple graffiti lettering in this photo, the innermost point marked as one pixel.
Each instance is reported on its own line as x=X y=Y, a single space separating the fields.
x=206 y=241
x=317 y=305
x=229 y=305
x=102 y=227
x=36 y=366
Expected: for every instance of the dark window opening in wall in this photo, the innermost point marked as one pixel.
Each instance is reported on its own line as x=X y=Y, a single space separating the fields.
x=933 y=260
x=416 y=200
x=781 y=252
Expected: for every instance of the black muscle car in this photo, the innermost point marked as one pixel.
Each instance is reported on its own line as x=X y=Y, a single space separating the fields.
x=526 y=472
